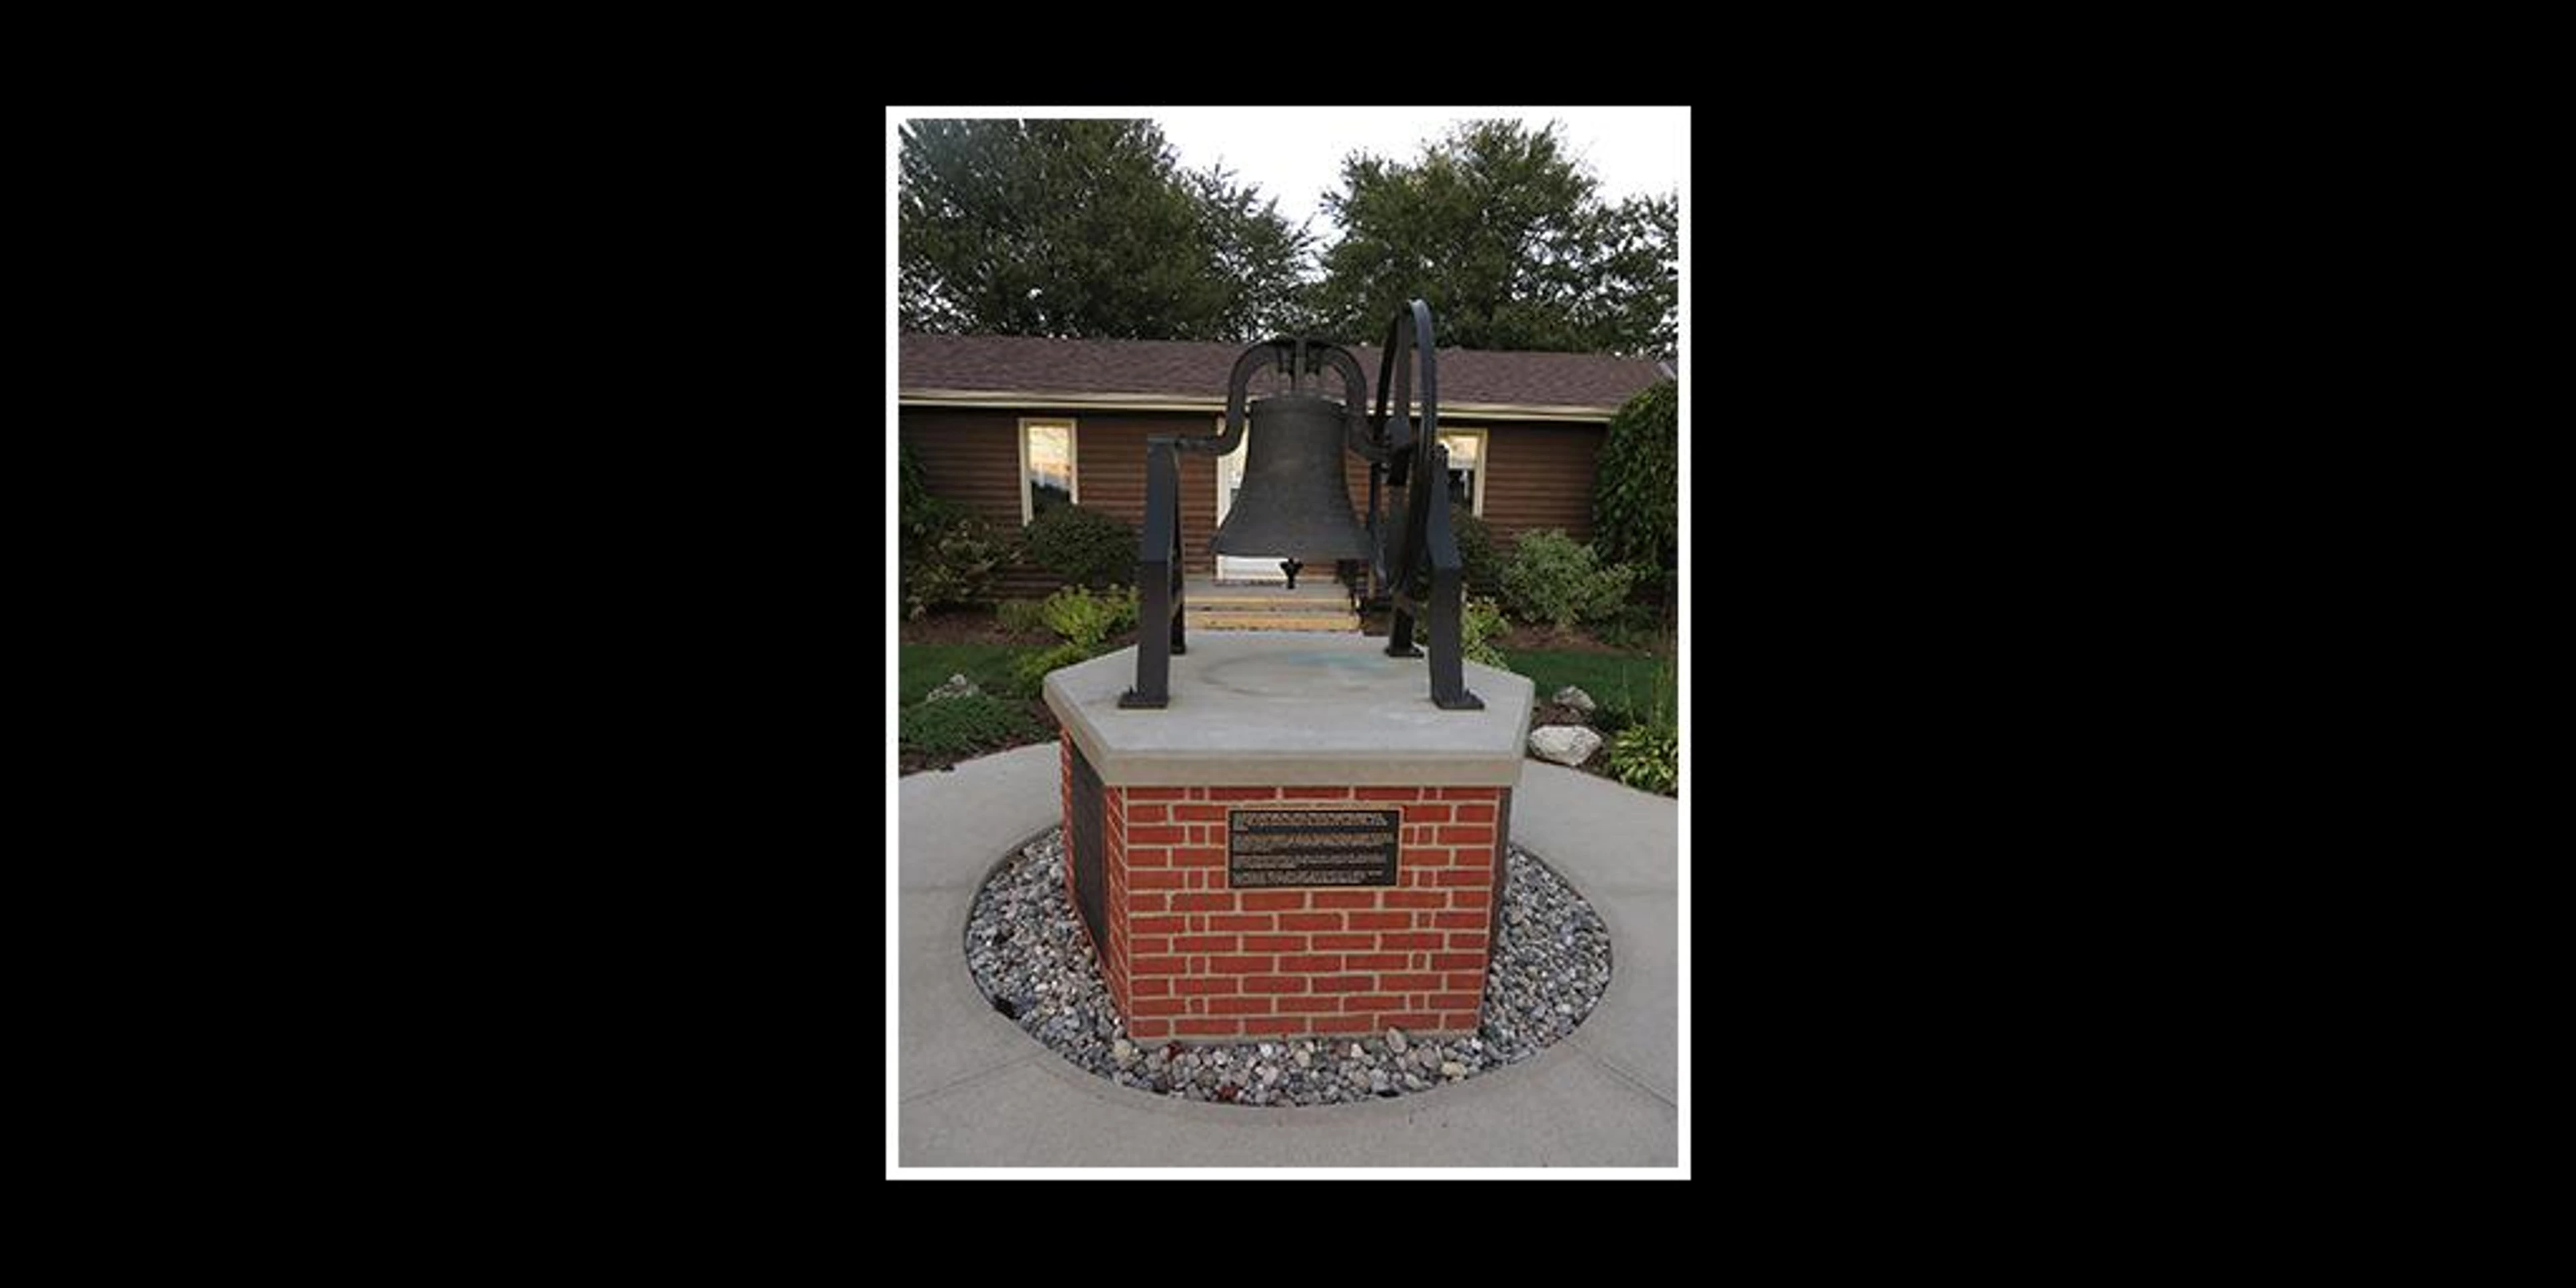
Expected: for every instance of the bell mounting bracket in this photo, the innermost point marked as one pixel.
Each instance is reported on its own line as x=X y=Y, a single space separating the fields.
x=1401 y=454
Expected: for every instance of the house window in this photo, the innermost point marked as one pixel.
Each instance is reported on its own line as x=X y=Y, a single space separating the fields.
x=1466 y=468
x=1046 y=467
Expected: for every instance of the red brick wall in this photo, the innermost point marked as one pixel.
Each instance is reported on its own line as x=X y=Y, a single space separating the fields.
x=1191 y=958
x=1119 y=962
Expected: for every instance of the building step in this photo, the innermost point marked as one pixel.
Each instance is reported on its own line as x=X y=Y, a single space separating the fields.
x=1221 y=619
x=1312 y=594
x=1233 y=597
x=1326 y=608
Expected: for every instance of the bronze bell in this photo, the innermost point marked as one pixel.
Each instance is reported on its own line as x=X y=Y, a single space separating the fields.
x=1293 y=504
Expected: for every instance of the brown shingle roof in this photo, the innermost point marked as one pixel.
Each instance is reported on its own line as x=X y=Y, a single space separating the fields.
x=1009 y=364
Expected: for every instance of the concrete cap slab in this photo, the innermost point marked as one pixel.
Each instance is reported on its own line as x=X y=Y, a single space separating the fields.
x=1287 y=709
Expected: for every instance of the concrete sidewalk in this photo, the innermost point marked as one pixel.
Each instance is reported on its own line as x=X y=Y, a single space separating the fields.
x=976 y=1091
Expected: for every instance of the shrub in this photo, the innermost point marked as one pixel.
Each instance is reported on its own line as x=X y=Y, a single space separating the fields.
x=1555 y=579
x=1647 y=757
x=951 y=726
x=1030 y=670
x=1086 y=619
x=949 y=555
x=1020 y=617
x=1085 y=547
x=1476 y=550
x=1646 y=754
x=1480 y=571
x=1477 y=628
x=1636 y=497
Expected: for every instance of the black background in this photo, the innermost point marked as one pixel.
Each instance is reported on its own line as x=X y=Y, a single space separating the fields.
x=1981 y=577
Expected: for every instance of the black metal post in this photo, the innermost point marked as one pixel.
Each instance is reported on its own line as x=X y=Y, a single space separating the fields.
x=1420 y=465
x=1448 y=569
x=1401 y=606
x=1159 y=632
x=1180 y=601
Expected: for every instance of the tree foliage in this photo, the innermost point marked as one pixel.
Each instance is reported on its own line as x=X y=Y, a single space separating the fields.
x=1508 y=238
x=1085 y=229
x=1636 y=498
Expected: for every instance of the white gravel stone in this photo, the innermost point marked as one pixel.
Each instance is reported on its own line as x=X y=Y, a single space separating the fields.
x=1027 y=951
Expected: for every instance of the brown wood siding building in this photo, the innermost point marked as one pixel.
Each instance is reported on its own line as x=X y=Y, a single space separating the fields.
x=962 y=399
x=1538 y=475
x=972 y=456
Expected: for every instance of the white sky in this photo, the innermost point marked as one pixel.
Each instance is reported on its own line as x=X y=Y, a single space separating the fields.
x=1295 y=153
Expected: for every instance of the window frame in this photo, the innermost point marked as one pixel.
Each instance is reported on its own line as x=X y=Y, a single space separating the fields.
x=1484 y=463
x=1072 y=461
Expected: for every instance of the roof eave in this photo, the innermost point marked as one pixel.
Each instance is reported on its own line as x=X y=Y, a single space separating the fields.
x=1211 y=406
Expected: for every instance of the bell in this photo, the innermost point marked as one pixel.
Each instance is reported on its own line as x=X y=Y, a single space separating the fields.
x=1293 y=504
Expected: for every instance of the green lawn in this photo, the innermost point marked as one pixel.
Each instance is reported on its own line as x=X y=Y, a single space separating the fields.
x=923 y=667
x=1599 y=674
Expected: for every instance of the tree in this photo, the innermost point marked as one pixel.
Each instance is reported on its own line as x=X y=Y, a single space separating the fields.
x=1636 y=500
x=1259 y=257
x=1508 y=239
x=1084 y=229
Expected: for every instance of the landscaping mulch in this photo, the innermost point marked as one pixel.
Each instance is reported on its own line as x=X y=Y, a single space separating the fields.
x=1573 y=639
x=963 y=627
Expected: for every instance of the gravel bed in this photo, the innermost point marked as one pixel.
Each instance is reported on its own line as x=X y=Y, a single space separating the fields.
x=1027 y=951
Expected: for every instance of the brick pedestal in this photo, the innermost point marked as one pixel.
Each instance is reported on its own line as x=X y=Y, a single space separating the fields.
x=1189 y=958
x=1148 y=799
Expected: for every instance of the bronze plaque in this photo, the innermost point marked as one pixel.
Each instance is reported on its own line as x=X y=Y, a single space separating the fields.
x=1267 y=846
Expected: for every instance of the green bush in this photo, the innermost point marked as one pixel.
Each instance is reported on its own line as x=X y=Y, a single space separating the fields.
x=1646 y=754
x=1555 y=579
x=949 y=555
x=1031 y=669
x=1020 y=617
x=1477 y=628
x=1085 y=547
x=950 y=726
x=1480 y=569
x=1636 y=497
x=1647 y=757
x=1087 y=619
x=1476 y=550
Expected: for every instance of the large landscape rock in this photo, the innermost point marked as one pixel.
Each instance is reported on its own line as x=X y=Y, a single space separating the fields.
x=1564 y=744
x=1570 y=696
